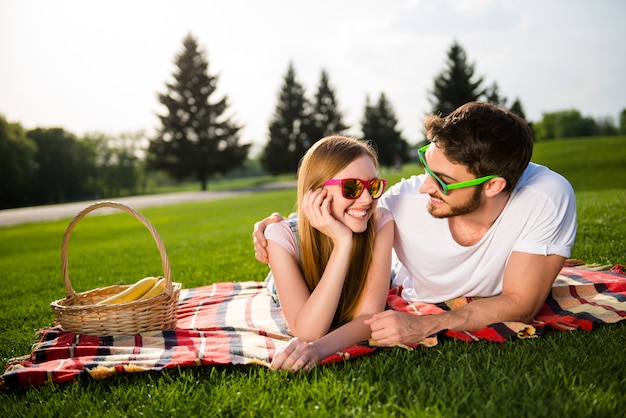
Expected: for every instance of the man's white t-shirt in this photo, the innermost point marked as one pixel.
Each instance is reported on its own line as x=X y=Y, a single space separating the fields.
x=539 y=218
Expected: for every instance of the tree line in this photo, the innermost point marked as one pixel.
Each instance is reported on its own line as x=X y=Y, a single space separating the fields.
x=43 y=166
x=198 y=139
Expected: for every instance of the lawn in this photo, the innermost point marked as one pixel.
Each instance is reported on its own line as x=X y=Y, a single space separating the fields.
x=561 y=374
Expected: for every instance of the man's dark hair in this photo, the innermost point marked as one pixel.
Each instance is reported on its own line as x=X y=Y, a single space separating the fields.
x=485 y=138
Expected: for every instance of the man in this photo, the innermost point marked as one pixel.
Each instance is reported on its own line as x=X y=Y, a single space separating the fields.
x=482 y=222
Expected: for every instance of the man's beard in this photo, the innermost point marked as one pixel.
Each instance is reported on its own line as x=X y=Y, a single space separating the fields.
x=469 y=206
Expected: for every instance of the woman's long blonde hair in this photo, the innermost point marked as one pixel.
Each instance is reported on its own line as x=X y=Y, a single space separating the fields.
x=322 y=161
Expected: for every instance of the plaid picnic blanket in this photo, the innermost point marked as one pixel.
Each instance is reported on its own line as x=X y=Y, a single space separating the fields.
x=237 y=323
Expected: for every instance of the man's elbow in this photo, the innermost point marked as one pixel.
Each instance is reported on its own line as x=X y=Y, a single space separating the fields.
x=527 y=314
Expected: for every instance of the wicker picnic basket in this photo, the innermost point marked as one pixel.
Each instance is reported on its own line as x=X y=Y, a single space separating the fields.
x=78 y=312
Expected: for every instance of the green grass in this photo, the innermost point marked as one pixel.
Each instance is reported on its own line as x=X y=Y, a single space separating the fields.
x=561 y=374
x=596 y=163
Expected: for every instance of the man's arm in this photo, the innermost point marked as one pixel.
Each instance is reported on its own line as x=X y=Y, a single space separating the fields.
x=528 y=279
x=258 y=236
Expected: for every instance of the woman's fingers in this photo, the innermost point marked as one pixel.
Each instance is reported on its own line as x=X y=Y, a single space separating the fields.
x=295 y=356
x=312 y=204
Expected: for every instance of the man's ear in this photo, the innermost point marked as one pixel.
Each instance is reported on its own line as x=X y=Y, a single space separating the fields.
x=494 y=186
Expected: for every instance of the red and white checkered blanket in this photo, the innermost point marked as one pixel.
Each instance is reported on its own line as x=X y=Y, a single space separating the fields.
x=237 y=323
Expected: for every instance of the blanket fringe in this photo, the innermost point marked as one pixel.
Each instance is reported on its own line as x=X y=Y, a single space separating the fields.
x=617 y=268
x=102 y=372
x=257 y=362
x=527 y=332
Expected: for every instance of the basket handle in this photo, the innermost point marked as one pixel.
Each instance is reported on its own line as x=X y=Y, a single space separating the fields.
x=167 y=274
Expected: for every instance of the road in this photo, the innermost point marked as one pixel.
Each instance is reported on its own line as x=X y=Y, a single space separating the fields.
x=9 y=217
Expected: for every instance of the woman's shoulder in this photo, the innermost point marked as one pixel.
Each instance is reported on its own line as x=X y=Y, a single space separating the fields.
x=384 y=217
x=282 y=234
x=278 y=229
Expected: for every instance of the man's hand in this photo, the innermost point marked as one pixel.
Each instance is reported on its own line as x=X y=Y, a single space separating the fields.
x=258 y=236
x=392 y=327
x=295 y=356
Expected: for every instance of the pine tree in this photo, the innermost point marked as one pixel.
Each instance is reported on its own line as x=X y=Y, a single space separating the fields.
x=290 y=128
x=326 y=118
x=196 y=139
x=379 y=126
x=493 y=96
x=455 y=86
x=517 y=108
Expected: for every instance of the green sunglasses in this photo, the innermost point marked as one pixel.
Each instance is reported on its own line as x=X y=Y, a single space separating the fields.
x=442 y=185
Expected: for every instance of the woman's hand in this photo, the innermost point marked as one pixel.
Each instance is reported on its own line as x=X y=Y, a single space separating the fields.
x=316 y=208
x=295 y=356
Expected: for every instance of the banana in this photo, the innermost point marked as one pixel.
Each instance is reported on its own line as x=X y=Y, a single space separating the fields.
x=132 y=293
x=155 y=290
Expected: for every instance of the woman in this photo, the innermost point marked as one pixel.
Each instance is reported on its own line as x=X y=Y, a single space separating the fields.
x=331 y=268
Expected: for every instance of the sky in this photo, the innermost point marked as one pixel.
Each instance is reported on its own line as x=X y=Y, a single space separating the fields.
x=97 y=66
